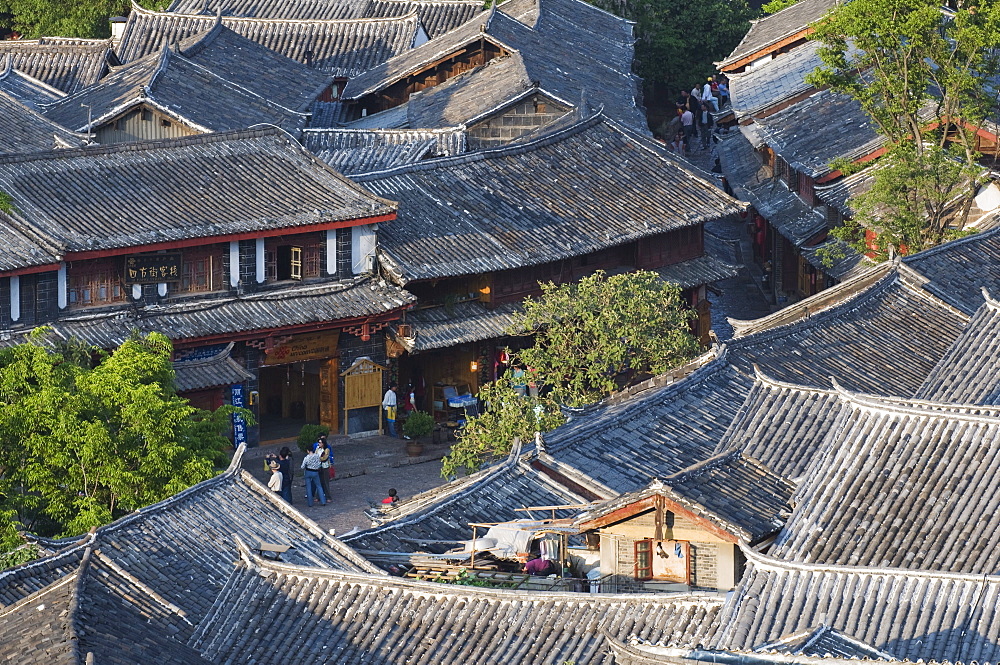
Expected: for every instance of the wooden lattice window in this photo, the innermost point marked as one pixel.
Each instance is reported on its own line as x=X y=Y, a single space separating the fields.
x=643 y=559
x=95 y=287
x=201 y=270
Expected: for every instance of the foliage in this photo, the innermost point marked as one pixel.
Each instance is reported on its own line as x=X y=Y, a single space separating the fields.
x=66 y=18
x=7 y=203
x=309 y=434
x=81 y=445
x=925 y=82
x=507 y=416
x=465 y=578
x=776 y=6
x=418 y=424
x=596 y=335
x=678 y=42
x=18 y=556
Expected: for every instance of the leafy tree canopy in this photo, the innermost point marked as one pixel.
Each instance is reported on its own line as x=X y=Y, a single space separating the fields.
x=81 y=445
x=596 y=335
x=776 y=6
x=924 y=78
x=490 y=435
x=66 y=18
x=678 y=42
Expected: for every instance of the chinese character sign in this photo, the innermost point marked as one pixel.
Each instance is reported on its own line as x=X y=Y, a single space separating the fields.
x=239 y=425
x=152 y=268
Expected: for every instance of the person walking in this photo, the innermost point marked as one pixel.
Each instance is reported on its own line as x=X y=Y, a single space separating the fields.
x=389 y=405
x=287 y=473
x=311 y=466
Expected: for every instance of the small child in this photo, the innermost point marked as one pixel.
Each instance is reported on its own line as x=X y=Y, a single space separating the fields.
x=392 y=498
x=274 y=483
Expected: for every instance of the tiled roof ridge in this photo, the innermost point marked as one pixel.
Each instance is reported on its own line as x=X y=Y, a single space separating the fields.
x=199 y=42
x=68 y=554
x=948 y=246
x=768 y=381
x=145 y=146
x=31 y=598
x=55 y=126
x=710 y=464
x=915 y=281
x=576 y=475
x=773 y=564
x=432 y=589
x=302 y=520
x=354 y=130
x=917 y=407
x=847 y=293
x=411 y=16
x=209 y=360
x=88 y=44
x=991 y=302
x=733 y=58
x=31 y=79
x=142 y=586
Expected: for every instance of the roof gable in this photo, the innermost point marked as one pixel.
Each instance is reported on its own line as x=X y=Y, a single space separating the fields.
x=65 y=64
x=772 y=32
x=24 y=130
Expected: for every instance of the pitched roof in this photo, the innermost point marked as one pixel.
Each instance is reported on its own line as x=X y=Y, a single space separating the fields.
x=812 y=133
x=351 y=151
x=550 y=54
x=434 y=521
x=336 y=47
x=912 y=615
x=905 y=486
x=63 y=63
x=968 y=372
x=222 y=314
x=235 y=177
x=436 y=16
x=736 y=493
x=24 y=130
x=25 y=89
x=957 y=271
x=774 y=82
x=521 y=204
x=765 y=33
x=440 y=327
x=217 y=370
x=413 y=621
x=822 y=642
x=178 y=87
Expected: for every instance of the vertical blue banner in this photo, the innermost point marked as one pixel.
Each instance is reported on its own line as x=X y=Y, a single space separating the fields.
x=239 y=425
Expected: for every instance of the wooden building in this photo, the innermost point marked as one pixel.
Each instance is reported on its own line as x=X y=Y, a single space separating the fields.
x=276 y=257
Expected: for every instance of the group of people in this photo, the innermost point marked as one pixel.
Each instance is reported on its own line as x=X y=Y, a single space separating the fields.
x=317 y=467
x=694 y=117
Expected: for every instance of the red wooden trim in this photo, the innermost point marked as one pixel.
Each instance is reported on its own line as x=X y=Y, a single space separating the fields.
x=391 y=315
x=770 y=48
x=32 y=270
x=252 y=235
x=649 y=503
x=862 y=160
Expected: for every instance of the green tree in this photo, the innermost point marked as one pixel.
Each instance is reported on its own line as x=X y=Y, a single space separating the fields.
x=82 y=445
x=66 y=18
x=925 y=80
x=490 y=435
x=596 y=335
x=776 y=6
x=678 y=42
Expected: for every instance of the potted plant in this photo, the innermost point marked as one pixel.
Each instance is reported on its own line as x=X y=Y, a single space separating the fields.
x=418 y=424
x=309 y=434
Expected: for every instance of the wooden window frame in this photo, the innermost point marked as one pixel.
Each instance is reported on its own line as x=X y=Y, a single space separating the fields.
x=643 y=549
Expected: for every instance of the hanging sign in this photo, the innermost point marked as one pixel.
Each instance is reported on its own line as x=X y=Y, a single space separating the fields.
x=152 y=268
x=314 y=346
x=239 y=424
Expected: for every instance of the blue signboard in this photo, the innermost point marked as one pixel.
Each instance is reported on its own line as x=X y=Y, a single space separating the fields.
x=239 y=425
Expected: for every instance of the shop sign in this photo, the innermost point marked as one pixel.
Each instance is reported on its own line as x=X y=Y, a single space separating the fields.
x=239 y=424
x=298 y=348
x=152 y=268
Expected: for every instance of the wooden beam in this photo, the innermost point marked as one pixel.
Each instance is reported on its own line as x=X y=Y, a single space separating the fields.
x=770 y=48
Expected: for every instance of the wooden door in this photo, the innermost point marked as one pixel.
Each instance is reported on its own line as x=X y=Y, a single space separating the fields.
x=329 y=380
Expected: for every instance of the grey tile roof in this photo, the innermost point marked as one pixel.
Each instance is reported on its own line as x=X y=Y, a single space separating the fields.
x=439 y=327
x=246 y=63
x=25 y=89
x=188 y=92
x=223 y=314
x=218 y=370
x=19 y=582
x=771 y=29
x=840 y=192
x=783 y=425
x=471 y=94
x=233 y=176
x=786 y=212
x=823 y=642
x=23 y=248
x=735 y=492
x=893 y=474
x=814 y=132
x=957 y=271
x=436 y=16
x=436 y=520
x=521 y=205
x=743 y=168
x=836 y=258
x=968 y=372
x=549 y=54
x=337 y=47
x=406 y=621
x=65 y=64
x=773 y=82
x=701 y=270
x=912 y=615
x=351 y=151
x=24 y=129
x=36 y=631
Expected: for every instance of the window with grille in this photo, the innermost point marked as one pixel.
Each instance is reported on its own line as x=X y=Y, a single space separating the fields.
x=293 y=262
x=201 y=270
x=643 y=559
x=96 y=287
